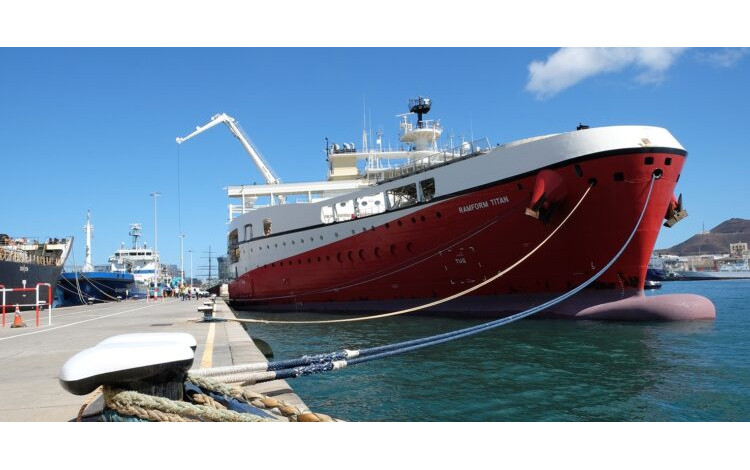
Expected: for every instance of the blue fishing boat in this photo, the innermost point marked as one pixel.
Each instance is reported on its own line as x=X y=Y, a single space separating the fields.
x=86 y=285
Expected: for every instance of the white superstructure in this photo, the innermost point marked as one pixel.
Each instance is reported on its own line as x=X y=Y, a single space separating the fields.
x=138 y=260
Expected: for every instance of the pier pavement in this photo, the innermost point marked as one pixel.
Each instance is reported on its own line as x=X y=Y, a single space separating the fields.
x=31 y=357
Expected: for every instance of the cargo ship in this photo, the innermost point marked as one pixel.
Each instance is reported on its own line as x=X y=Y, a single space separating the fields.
x=27 y=262
x=398 y=228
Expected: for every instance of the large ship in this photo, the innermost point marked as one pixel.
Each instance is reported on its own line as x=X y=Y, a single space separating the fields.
x=26 y=263
x=88 y=285
x=722 y=269
x=139 y=260
x=396 y=229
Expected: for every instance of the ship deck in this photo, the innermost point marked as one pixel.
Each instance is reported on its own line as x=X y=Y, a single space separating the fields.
x=33 y=356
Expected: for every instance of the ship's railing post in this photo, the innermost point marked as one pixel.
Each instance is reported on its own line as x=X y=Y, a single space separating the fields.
x=48 y=302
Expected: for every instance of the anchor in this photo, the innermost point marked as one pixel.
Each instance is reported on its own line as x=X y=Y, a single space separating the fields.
x=675 y=212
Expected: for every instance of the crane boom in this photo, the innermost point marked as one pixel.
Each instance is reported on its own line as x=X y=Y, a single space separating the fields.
x=231 y=124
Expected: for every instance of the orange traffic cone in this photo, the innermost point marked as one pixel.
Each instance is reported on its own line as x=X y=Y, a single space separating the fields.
x=17 y=321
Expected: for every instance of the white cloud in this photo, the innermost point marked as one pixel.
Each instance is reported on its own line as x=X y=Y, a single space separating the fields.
x=570 y=65
x=724 y=58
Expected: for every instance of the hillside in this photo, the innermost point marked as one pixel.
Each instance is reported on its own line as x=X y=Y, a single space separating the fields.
x=716 y=241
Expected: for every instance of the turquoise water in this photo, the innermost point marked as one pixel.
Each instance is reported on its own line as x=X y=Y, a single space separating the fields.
x=537 y=369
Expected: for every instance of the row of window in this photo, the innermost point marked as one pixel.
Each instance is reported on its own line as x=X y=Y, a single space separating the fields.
x=350 y=255
x=234 y=247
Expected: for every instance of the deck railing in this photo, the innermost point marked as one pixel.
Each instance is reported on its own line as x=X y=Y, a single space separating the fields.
x=462 y=152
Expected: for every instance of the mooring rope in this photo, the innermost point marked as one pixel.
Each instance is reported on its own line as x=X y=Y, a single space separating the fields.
x=307 y=365
x=436 y=302
x=228 y=404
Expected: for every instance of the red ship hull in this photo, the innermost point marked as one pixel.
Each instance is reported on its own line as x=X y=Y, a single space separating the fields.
x=446 y=246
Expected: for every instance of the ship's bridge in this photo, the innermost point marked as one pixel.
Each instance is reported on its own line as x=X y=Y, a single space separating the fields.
x=423 y=136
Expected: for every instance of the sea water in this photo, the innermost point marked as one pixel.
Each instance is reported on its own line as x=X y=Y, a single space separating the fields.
x=535 y=369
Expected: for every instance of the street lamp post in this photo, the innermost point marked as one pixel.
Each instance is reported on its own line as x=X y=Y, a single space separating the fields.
x=191 y=268
x=182 y=258
x=156 y=241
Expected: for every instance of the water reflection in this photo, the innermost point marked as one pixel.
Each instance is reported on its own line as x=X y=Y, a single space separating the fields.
x=535 y=369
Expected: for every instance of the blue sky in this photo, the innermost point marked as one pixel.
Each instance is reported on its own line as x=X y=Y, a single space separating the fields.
x=95 y=128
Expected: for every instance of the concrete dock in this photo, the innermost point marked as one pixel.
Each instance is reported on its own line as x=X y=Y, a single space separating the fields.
x=31 y=357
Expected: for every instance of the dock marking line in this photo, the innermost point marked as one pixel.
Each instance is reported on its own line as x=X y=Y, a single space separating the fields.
x=208 y=350
x=75 y=323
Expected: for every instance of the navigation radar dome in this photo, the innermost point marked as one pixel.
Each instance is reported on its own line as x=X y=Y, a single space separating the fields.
x=420 y=106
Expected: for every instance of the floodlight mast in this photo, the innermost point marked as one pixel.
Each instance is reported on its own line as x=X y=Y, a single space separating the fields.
x=254 y=154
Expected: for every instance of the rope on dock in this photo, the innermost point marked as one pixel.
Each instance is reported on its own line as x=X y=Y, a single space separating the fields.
x=311 y=364
x=152 y=408
x=129 y=405
x=436 y=302
x=258 y=400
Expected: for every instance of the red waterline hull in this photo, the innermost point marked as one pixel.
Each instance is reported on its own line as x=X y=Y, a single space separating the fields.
x=447 y=246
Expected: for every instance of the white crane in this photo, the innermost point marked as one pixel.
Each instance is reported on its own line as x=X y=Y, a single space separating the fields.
x=254 y=154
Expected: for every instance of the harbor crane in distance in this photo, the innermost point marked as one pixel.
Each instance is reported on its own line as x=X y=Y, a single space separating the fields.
x=249 y=148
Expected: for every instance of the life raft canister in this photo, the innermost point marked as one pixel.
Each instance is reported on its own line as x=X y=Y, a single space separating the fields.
x=549 y=191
